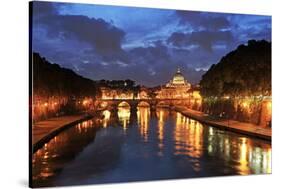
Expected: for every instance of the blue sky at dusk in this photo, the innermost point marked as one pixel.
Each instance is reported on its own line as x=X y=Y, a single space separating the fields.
x=145 y=45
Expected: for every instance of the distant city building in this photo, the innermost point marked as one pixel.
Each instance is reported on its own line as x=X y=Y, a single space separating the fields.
x=143 y=93
x=177 y=88
x=110 y=94
x=178 y=81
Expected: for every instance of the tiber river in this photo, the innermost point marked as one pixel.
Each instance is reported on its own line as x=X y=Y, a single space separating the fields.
x=146 y=145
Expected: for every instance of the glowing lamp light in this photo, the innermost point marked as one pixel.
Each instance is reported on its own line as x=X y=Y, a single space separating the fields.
x=46 y=104
x=106 y=114
x=85 y=102
x=245 y=104
x=269 y=105
x=103 y=104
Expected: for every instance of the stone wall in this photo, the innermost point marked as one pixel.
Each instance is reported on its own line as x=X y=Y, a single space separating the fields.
x=251 y=110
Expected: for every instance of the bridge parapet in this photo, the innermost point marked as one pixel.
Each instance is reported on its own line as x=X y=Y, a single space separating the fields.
x=133 y=103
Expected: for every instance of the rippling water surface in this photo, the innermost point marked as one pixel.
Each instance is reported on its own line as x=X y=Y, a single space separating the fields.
x=146 y=145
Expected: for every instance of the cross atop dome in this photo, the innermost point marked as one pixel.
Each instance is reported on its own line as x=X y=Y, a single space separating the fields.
x=178 y=71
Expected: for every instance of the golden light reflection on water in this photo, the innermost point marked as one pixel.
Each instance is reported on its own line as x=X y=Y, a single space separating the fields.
x=243 y=167
x=178 y=136
x=248 y=156
x=143 y=116
x=162 y=115
x=161 y=125
x=44 y=160
x=188 y=139
x=106 y=117
x=83 y=127
x=124 y=114
x=257 y=158
x=260 y=159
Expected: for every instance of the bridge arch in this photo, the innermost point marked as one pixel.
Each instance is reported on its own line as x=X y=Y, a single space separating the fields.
x=124 y=104
x=163 y=104
x=178 y=102
x=143 y=104
x=103 y=104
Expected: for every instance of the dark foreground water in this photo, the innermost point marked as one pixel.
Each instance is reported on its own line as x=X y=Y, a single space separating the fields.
x=146 y=145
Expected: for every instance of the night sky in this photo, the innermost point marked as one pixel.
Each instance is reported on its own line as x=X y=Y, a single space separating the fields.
x=145 y=45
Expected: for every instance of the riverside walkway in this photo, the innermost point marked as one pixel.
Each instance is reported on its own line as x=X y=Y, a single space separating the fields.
x=231 y=125
x=43 y=131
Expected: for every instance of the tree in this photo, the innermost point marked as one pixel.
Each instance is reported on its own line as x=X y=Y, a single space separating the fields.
x=245 y=71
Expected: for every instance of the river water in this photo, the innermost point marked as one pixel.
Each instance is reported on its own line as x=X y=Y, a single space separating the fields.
x=146 y=145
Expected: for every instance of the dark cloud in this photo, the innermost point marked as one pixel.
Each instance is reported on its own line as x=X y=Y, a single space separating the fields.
x=263 y=34
x=256 y=32
x=205 y=39
x=43 y=8
x=201 y=20
x=148 y=55
x=104 y=37
x=161 y=62
x=150 y=66
x=179 y=39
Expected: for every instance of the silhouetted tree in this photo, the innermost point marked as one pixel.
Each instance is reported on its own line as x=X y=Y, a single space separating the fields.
x=245 y=71
x=53 y=80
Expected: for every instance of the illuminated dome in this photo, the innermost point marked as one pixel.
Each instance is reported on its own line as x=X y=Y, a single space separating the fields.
x=176 y=88
x=178 y=78
x=178 y=81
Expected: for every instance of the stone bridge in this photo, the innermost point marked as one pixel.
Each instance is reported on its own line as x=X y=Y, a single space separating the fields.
x=134 y=103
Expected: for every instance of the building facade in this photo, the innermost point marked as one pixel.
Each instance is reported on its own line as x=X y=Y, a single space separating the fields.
x=176 y=88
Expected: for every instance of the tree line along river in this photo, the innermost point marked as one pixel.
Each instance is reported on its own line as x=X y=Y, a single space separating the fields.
x=127 y=145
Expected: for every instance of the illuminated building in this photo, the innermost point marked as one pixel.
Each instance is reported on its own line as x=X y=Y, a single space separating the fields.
x=110 y=94
x=179 y=88
x=143 y=93
x=178 y=81
x=176 y=88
